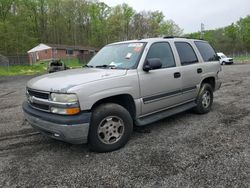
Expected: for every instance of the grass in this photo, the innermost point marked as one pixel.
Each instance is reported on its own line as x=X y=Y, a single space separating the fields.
x=38 y=68
x=242 y=58
x=22 y=70
x=72 y=63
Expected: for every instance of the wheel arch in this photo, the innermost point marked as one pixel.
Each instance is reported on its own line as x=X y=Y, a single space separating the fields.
x=125 y=100
x=209 y=80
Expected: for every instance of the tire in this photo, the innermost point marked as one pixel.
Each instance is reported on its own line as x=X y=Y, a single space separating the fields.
x=110 y=128
x=204 y=99
x=223 y=63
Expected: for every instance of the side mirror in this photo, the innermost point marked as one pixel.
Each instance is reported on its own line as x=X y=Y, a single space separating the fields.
x=151 y=64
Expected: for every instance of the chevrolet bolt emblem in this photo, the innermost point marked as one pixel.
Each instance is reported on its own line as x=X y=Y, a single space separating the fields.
x=31 y=99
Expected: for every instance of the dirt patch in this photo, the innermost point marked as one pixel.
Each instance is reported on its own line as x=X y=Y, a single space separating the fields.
x=232 y=114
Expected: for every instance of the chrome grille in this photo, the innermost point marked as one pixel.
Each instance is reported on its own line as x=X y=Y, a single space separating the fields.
x=32 y=94
x=40 y=106
x=38 y=94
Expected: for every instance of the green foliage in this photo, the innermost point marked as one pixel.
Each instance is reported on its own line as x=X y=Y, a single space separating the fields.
x=38 y=68
x=242 y=58
x=243 y=27
x=23 y=70
x=232 y=39
x=25 y=23
x=72 y=63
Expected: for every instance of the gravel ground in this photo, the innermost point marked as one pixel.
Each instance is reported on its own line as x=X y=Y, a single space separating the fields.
x=186 y=150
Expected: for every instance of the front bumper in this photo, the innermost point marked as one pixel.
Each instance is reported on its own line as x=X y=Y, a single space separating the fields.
x=73 y=129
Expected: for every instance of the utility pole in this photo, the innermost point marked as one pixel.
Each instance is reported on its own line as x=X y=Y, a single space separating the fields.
x=202 y=31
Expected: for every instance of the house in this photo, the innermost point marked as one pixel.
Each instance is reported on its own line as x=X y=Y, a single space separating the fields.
x=44 y=52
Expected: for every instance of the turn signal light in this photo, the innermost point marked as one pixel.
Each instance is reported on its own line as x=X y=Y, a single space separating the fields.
x=72 y=111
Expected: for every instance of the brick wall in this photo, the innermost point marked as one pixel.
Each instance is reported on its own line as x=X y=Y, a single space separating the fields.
x=59 y=53
x=45 y=54
x=62 y=54
x=41 y=55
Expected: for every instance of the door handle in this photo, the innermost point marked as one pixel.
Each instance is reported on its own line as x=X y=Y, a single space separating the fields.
x=177 y=75
x=199 y=70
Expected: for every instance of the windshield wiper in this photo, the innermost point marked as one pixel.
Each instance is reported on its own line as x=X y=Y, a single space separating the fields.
x=89 y=66
x=106 y=66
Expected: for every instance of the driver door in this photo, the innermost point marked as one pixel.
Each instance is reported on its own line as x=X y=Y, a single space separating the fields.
x=160 y=88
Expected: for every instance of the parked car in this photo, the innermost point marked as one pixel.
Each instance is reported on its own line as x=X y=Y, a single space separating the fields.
x=126 y=84
x=56 y=65
x=224 y=60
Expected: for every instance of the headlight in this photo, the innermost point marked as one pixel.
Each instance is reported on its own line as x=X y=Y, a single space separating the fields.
x=68 y=104
x=68 y=98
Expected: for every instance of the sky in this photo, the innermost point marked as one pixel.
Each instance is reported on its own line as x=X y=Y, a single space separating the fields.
x=189 y=14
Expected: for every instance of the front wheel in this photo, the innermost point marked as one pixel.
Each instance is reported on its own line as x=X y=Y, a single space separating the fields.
x=204 y=99
x=110 y=128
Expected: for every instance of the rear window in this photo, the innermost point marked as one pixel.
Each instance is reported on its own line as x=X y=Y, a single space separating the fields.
x=56 y=63
x=186 y=53
x=206 y=51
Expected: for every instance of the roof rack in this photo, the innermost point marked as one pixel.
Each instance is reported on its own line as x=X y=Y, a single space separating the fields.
x=169 y=37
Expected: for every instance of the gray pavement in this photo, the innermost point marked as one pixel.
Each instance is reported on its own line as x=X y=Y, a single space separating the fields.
x=186 y=150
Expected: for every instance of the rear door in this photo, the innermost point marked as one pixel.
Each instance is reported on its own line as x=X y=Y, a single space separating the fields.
x=211 y=64
x=191 y=70
x=160 y=88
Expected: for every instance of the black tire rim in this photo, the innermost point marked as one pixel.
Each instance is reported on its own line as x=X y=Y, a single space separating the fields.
x=110 y=130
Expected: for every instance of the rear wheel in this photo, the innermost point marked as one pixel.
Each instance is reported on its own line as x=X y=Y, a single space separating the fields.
x=110 y=128
x=204 y=99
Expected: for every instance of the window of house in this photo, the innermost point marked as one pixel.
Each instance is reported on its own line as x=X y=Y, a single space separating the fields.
x=163 y=51
x=86 y=52
x=54 y=51
x=69 y=51
x=206 y=51
x=186 y=53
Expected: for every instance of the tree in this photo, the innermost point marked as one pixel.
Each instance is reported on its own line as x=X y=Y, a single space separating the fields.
x=244 y=31
x=5 y=7
x=234 y=38
x=170 y=28
x=25 y=23
x=128 y=13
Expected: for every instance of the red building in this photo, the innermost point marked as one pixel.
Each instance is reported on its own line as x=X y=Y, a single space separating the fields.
x=51 y=51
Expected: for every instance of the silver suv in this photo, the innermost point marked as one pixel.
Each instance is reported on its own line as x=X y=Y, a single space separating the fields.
x=127 y=84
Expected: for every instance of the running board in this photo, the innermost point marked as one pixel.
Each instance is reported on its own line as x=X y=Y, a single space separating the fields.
x=163 y=114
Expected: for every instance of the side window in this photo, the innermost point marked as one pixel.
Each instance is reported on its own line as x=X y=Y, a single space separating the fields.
x=163 y=51
x=186 y=53
x=206 y=51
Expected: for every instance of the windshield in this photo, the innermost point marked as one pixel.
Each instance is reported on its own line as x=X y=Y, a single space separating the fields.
x=120 y=56
x=222 y=55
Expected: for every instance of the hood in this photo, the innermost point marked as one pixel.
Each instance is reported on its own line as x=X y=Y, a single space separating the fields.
x=226 y=58
x=64 y=80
